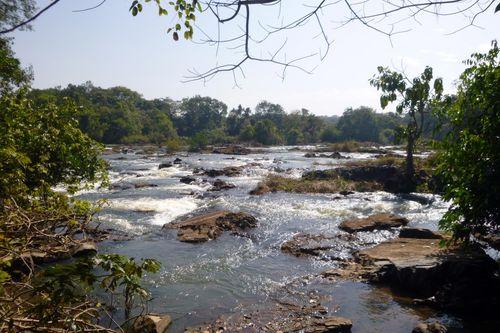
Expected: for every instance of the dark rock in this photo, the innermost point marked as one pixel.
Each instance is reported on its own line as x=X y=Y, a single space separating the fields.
x=260 y=189
x=144 y=184
x=85 y=249
x=187 y=179
x=177 y=161
x=374 y=222
x=430 y=328
x=121 y=186
x=165 y=165
x=231 y=171
x=220 y=185
x=419 y=233
x=151 y=324
x=346 y=193
x=210 y=226
x=232 y=150
x=417 y=198
x=311 y=245
x=337 y=155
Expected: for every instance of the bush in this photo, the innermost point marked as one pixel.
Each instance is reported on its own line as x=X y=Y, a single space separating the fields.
x=470 y=161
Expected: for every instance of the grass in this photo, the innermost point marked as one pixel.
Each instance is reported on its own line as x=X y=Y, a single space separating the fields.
x=350 y=147
x=279 y=183
x=275 y=183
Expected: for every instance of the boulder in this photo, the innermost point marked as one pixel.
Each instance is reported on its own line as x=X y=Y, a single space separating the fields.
x=210 y=226
x=459 y=278
x=419 y=233
x=121 y=186
x=346 y=193
x=310 y=155
x=165 y=165
x=144 y=184
x=430 y=328
x=232 y=150
x=260 y=189
x=220 y=185
x=336 y=155
x=187 y=179
x=231 y=171
x=311 y=245
x=374 y=222
x=85 y=249
x=177 y=161
x=151 y=324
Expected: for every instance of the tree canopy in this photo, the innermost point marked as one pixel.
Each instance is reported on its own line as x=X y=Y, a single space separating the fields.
x=470 y=160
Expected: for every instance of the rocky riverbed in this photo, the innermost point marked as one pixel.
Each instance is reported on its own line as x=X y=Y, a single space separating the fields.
x=282 y=261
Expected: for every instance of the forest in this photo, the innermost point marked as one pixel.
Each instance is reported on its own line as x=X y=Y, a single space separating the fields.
x=119 y=116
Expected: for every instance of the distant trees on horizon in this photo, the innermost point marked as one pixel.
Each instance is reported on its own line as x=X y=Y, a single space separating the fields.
x=120 y=115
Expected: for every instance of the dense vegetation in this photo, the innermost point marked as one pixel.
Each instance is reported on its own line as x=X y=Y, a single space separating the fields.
x=120 y=115
x=43 y=147
x=470 y=154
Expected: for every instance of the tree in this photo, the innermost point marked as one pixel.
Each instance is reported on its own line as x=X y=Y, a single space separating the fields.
x=294 y=137
x=12 y=75
x=358 y=124
x=200 y=114
x=248 y=133
x=416 y=98
x=330 y=134
x=271 y=111
x=16 y=14
x=237 y=119
x=470 y=161
x=267 y=133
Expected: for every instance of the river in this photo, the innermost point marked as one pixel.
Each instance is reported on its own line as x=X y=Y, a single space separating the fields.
x=199 y=282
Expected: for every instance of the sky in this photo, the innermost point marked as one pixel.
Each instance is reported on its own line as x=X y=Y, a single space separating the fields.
x=110 y=47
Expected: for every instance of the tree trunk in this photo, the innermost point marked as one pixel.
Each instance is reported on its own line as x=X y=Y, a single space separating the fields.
x=410 y=168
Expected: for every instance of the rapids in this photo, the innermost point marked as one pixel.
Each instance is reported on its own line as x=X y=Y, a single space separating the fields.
x=199 y=282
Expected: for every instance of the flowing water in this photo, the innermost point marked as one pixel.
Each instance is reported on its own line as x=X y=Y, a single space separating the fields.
x=199 y=282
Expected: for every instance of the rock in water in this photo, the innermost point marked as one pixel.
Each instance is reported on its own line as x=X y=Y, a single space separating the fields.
x=220 y=185
x=419 y=233
x=374 y=222
x=85 y=249
x=151 y=324
x=144 y=184
x=165 y=165
x=311 y=245
x=187 y=179
x=210 y=226
x=231 y=171
x=232 y=150
x=177 y=161
x=456 y=277
x=260 y=189
x=430 y=328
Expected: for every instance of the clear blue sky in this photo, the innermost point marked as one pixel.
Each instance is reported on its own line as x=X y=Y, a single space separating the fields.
x=110 y=47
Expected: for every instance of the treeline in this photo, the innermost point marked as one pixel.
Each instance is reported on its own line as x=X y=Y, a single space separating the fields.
x=120 y=115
